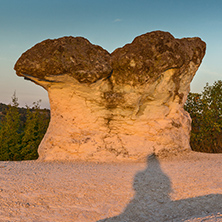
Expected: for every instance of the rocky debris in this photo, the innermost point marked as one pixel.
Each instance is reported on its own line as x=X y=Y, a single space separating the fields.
x=119 y=106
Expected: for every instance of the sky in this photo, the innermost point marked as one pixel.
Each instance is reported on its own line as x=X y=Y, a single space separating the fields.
x=108 y=23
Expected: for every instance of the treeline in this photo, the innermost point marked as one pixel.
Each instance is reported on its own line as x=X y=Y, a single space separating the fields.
x=206 y=112
x=21 y=130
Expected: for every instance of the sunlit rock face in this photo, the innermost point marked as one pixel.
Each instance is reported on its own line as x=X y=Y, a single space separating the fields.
x=121 y=106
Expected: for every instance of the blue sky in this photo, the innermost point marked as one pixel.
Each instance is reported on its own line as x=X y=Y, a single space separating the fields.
x=108 y=23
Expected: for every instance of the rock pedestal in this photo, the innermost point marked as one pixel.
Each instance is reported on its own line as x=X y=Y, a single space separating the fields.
x=119 y=106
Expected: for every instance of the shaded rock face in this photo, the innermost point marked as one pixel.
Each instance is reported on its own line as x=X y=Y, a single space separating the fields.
x=113 y=107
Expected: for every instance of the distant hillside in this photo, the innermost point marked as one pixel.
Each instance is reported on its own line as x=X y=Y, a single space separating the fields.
x=3 y=108
x=22 y=111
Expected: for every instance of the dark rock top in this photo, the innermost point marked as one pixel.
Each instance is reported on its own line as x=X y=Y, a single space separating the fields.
x=140 y=62
x=153 y=53
x=68 y=55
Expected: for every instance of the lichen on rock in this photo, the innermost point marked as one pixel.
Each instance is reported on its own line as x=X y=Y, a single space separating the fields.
x=121 y=106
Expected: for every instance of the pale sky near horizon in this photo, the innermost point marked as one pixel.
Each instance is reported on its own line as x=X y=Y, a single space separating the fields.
x=108 y=23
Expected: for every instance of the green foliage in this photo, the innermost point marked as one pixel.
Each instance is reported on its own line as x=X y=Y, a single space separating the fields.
x=35 y=128
x=206 y=112
x=9 y=134
x=21 y=131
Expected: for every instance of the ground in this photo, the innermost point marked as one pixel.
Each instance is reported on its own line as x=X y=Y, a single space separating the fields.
x=187 y=187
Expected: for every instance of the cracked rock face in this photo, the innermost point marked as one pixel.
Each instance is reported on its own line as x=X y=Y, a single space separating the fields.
x=121 y=106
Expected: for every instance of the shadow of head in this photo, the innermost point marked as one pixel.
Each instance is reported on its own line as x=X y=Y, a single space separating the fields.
x=152 y=200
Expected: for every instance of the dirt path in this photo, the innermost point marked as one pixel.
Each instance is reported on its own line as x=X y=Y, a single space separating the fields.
x=184 y=188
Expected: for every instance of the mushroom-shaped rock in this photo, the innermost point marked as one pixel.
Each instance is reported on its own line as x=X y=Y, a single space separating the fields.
x=114 y=107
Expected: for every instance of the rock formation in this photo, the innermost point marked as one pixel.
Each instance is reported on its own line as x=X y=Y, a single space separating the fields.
x=119 y=106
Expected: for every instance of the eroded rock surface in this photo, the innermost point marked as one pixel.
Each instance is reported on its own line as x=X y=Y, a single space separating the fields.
x=119 y=106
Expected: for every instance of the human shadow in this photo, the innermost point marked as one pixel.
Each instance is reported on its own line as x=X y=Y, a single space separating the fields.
x=152 y=200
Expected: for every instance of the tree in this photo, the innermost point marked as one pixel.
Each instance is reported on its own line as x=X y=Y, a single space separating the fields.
x=35 y=128
x=212 y=117
x=206 y=112
x=194 y=106
x=10 y=132
x=21 y=130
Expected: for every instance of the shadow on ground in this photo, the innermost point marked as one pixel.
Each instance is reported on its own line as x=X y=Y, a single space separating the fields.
x=152 y=199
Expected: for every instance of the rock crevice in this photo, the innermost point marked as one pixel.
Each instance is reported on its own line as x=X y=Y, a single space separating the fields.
x=119 y=106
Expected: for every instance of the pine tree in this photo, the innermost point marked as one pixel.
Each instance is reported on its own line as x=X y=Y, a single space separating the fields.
x=35 y=128
x=10 y=132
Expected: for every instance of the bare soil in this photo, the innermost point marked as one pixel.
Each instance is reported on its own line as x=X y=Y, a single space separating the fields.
x=187 y=187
